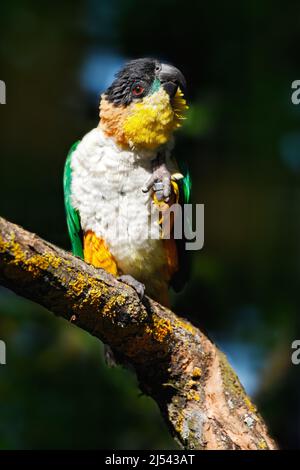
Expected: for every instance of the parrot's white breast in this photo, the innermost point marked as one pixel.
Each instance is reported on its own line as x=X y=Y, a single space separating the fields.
x=107 y=191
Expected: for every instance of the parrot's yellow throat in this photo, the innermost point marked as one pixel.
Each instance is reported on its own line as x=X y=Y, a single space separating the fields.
x=144 y=124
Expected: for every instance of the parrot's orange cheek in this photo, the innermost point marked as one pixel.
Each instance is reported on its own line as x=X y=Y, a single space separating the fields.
x=112 y=121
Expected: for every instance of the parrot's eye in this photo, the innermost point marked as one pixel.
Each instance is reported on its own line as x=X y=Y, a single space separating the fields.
x=138 y=90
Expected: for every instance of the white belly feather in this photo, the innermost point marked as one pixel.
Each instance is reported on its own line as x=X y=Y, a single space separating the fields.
x=107 y=191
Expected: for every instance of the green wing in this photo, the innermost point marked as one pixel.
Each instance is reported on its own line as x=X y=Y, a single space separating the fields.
x=181 y=277
x=73 y=218
x=186 y=187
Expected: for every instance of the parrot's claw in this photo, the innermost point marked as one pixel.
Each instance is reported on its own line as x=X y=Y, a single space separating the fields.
x=160 y=181
x=136 y=285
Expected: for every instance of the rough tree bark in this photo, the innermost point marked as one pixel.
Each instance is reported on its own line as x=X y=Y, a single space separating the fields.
x=198 y=393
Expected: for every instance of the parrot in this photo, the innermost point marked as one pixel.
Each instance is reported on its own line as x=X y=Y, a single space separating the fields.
x=121 y=178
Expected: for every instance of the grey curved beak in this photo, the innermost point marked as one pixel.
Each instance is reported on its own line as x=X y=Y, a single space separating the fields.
x=171 y=78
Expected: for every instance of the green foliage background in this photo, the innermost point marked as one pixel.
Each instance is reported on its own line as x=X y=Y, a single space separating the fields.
x=242 y=143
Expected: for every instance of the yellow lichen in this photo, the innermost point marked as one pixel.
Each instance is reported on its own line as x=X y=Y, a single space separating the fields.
x=96 y=290
x=230 y=379
x=262 y=444
x=34 y=264
x=179 y=424
x=94 y=295
x=37 y=262
x=78 y=285
x=111 y=305
x=158 y=331
x=193 y=395
x=196 y=372
x=161 y=329
x=2 y=243
x=179 y=323
x=19 y=255
x=249 y=404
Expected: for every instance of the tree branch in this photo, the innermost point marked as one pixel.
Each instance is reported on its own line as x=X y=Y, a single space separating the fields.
x=198 y=393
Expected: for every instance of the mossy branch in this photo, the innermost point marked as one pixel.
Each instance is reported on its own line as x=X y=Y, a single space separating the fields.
x=198 y=393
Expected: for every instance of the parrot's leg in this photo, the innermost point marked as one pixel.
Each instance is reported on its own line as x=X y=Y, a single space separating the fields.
x=160 y=180
x=132 y=282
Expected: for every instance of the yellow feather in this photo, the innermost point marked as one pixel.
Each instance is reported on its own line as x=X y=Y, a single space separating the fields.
x=151 y=122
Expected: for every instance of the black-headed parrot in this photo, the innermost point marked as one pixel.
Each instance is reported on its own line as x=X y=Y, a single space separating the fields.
x=121 y=179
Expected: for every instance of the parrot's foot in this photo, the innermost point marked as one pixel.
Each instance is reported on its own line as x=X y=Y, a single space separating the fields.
x=136 y=285
x=160 y=180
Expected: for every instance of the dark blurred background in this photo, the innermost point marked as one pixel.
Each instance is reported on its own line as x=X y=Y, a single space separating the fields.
x=242 y=143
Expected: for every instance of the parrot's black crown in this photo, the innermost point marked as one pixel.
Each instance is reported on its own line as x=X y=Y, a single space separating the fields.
x=138 y=70
x=141 y=73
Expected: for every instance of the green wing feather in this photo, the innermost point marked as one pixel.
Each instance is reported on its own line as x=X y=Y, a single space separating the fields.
x=186 y=184
x=181 y=277
x=73 y=218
